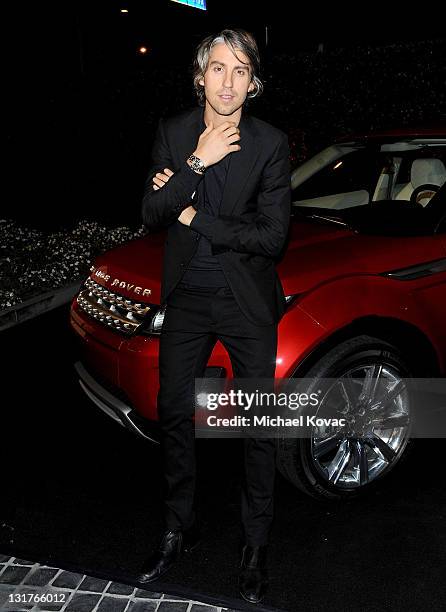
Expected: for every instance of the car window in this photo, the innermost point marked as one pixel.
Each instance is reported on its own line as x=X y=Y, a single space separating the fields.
x=356 y=171
x=417 y=169
x=367 y=175
x=388 y=192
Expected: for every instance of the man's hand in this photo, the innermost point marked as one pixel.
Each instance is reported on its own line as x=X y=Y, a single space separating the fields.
x=187 y=214
x=161 y=179
x=215 y=143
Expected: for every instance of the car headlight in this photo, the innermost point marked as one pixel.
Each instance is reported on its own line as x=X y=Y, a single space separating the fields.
x=290 y=299
x=154 y=326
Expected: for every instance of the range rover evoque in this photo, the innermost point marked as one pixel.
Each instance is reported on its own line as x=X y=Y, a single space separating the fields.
x=364 y=272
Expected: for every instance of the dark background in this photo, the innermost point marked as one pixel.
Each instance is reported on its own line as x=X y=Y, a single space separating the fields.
x=82 y=103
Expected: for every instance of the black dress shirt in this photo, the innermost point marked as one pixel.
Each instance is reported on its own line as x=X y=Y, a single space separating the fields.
x=204 y=268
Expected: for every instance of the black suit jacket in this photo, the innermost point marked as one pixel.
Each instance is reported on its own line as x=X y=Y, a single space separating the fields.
x=251 y=230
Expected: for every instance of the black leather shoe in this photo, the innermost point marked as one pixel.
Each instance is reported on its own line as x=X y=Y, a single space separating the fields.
x=172 y=544
x=253 y=577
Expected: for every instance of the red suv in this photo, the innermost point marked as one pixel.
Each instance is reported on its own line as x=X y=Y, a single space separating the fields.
x=364 y=273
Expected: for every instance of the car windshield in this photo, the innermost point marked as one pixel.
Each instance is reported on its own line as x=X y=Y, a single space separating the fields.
x=380 y=188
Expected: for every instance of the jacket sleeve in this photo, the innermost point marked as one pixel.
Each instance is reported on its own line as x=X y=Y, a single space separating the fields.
x=262 y=233
x=160 y=207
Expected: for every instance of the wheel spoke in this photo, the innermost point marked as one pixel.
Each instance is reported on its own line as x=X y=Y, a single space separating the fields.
x=369 y=382
x=378 y=444
x=348 y=391
x=399 y=420
x=339 y=462
x=374 y=382
x=360 y=458
x=324 y=446
x=388 y=396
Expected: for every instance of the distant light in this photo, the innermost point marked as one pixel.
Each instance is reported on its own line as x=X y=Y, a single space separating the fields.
x=337 y=165
x=124 y=10
x=142 y=50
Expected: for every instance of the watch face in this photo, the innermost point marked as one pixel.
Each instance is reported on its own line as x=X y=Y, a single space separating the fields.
x=197 y=164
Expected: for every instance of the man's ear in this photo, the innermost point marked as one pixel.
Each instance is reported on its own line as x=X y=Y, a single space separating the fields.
x=201 y=81
x=251 y=86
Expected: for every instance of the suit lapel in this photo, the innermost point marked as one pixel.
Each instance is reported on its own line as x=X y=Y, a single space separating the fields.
x=190 y=132
x=241 y=162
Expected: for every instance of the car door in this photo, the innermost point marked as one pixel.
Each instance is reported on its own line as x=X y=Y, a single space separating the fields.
x=430 y=292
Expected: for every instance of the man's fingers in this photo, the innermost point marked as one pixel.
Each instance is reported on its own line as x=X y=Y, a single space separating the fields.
x=161 y=176
x=224 y=126
x=161 y=179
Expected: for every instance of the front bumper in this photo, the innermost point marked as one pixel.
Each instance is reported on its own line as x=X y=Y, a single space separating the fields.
x=115 y=407
x=128 y=368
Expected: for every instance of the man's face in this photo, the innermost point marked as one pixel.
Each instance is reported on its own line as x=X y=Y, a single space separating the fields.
x=227 y=80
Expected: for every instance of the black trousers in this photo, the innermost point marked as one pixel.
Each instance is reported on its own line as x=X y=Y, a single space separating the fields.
x=195 y=319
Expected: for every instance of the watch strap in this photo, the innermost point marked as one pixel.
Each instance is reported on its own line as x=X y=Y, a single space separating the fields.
x=197 y=164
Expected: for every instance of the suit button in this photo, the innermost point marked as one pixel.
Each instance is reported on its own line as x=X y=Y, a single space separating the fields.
x=182 y=264
x=197 y=237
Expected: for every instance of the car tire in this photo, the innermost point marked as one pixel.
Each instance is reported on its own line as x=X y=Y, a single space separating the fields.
x=296 y=459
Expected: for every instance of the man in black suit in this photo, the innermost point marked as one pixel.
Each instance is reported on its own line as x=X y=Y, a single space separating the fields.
x=220 y=183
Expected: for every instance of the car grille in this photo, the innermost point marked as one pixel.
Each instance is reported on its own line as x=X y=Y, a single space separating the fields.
x=113 y=310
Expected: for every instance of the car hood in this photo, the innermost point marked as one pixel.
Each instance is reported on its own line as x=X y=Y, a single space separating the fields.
x=315 y=253
x=133 y=269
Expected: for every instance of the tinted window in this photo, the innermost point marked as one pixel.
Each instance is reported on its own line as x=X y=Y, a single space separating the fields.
x=353 y=172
